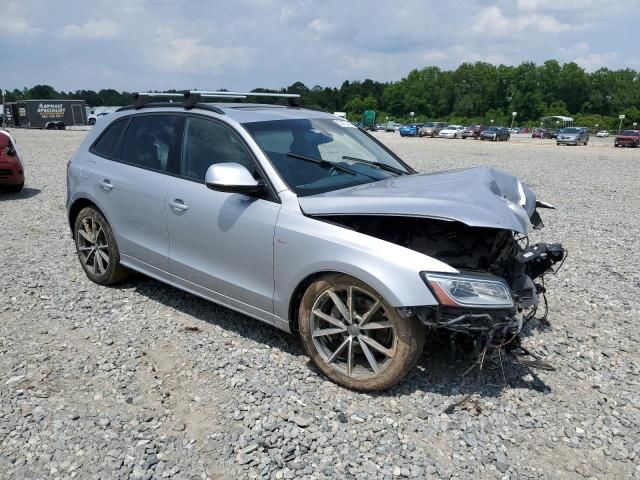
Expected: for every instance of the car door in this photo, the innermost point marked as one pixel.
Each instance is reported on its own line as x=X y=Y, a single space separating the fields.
x=221 y=244
x=131 y=188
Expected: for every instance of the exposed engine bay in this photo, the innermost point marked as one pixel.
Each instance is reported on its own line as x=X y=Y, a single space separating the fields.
x=475 y=250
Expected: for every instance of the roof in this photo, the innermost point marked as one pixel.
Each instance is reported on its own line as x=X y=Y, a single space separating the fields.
x=256 y=112
x=558 y=117
x=240 y=112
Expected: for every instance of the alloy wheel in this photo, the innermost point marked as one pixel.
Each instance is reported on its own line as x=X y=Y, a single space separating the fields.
x=351 y=331
x=93 y=246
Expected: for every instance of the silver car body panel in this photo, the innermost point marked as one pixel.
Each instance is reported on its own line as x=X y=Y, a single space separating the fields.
x=305 y=246
x=478 y=197
x=252 y=254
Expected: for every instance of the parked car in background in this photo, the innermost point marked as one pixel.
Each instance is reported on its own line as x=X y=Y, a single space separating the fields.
x=514 y=130
x=11 y=169
x=555 y=133
x=602 y=134
x=303 y=222
x=524 y=130
x=410 y=130
x=390 y=127
x=573 y=136
x=473 y=131
x=496 y=134
x=93 y=117
x=627 y=138
x=451 y=131
x=540 y=133
x=432 y=129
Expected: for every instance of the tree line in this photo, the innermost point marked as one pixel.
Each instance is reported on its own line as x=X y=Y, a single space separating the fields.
x=472 y=93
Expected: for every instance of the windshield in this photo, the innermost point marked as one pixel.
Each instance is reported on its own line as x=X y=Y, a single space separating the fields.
x=430 y=124
x=320 y=155
x=571 y=130
x=630 y=133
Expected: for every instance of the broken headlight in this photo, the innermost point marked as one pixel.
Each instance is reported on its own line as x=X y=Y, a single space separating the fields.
x=467 y=291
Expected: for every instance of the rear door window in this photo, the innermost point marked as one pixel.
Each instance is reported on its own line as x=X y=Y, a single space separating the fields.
x=150 y=140
x=110 y=142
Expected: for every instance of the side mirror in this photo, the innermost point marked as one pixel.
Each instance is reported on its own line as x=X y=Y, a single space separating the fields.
x=232 y=178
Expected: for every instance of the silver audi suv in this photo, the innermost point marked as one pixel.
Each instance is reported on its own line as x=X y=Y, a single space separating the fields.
x=301 y=220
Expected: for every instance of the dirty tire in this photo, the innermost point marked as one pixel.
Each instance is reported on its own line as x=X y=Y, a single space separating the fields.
x=408 y=335
x=111 y=271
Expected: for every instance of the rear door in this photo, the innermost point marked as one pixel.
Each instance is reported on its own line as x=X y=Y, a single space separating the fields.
x=221 y=243
x=131 y=188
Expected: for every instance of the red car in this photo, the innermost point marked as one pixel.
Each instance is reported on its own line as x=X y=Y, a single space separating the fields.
x=541 y=133
x=628 y=138
x=474 y=131
x=11 y=171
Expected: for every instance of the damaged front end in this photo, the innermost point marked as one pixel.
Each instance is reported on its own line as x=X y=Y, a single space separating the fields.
x=500 y=281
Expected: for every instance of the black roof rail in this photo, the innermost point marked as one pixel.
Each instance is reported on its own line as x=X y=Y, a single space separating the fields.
x=191 y=98
x=293 y=99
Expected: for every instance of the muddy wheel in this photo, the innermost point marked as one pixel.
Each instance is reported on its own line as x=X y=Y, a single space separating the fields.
x=355 y=337
x=97 y=249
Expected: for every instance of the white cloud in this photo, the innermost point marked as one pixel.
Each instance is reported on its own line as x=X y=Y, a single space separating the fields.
x=435 y=56
x=594 y=61
x=17 y=26
x=491 y=21
x=581 y=54
x=321 y=26
x=554 y=5
x=183 y=54
x=92 y=29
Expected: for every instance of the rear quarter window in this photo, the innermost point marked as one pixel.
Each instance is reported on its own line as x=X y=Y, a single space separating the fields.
x=110 y=142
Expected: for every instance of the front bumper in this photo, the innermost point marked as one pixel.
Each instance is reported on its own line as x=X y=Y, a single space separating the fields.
x=626 y=143
x=567 y=141
x=11 y=173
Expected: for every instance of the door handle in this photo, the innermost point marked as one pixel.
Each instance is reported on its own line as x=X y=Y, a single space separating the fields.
x=178 y=205
x=106 y=184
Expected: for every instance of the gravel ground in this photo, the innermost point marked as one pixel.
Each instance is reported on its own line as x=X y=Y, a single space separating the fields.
x=144 y=381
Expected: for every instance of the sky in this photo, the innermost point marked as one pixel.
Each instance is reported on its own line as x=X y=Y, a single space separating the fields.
x=137 y=45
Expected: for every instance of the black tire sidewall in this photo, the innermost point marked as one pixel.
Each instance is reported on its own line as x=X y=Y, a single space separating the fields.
x=114 y=272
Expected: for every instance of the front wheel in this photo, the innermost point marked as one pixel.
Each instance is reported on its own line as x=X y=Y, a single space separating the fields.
x=13 y=188
x=355 y=337
x=97 y=249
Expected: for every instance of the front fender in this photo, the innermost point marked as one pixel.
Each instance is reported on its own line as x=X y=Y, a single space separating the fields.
x=304 y=246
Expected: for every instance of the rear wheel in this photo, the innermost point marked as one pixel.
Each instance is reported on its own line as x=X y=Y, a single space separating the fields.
x=97 y=249
x=355 y=337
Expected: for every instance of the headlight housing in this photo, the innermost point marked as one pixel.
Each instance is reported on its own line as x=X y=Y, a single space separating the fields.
x=468 y=291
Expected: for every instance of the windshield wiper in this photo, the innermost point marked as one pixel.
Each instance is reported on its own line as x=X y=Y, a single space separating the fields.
x=381 y=166
x=324 y=163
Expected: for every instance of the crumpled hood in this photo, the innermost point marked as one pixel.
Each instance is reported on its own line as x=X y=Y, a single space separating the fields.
x=478 y=197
